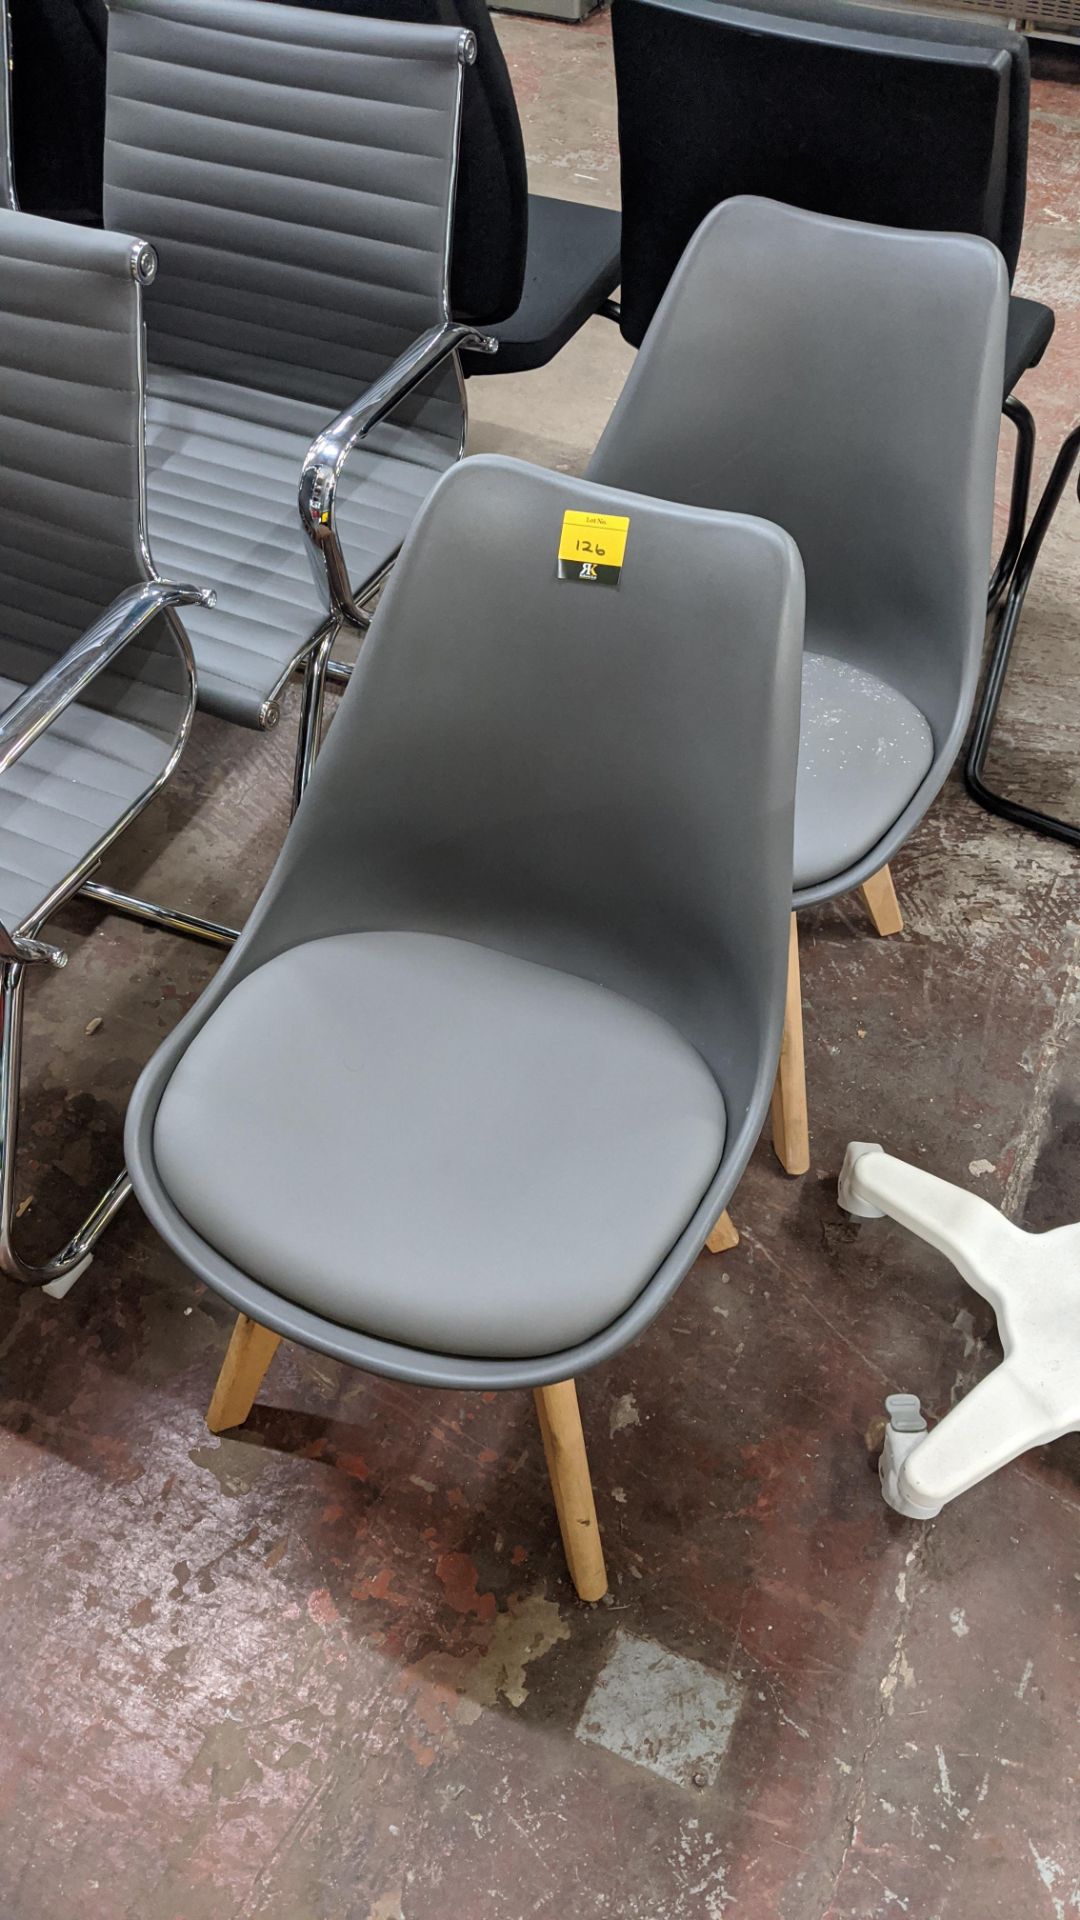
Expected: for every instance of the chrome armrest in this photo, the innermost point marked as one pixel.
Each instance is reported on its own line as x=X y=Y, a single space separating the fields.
x=328 y=454
x=39 y=706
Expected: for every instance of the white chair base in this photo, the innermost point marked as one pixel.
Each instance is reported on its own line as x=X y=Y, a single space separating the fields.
x=1032 y=1281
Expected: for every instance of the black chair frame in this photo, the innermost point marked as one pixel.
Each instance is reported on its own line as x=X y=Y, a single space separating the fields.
x=1001 y=651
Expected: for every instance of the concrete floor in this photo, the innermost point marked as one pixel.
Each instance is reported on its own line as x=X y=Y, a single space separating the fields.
x=330 y=1668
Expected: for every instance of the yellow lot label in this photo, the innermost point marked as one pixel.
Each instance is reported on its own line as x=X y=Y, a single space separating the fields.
x=597 y=537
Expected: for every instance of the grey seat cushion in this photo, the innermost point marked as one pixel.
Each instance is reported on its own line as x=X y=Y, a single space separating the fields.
x=439 y=1144
x=72 y=787
x=223 y=473
x=864 y=750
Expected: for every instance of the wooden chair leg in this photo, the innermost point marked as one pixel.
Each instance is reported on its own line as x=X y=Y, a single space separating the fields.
x=568 y=1469
x=790 y=1124
x=724 y=1235
x=250 y=1352
x=879 y=896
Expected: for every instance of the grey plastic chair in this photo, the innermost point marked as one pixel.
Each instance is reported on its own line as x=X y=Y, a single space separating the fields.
x=97 y=683
x=295 y=171
x=843 y=380
x=496 y=1043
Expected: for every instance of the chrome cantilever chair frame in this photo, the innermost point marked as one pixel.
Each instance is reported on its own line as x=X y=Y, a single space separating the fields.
x=1005 y=631
x=23 y=723
x=348 y=606
x=318 y=501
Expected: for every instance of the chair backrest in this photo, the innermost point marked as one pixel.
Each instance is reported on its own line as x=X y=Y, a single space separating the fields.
x=62 y=52
x=597 y=778
x=872 y=115
x=955 y=30
x=295 y=171
x=491 y=209
x=845 y=381
x=71 y=489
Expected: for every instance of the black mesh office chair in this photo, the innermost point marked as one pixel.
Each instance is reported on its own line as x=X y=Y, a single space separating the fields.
x=894 y=117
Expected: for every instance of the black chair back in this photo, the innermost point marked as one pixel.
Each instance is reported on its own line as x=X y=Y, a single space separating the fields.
x=58 y=106
x=899 y=119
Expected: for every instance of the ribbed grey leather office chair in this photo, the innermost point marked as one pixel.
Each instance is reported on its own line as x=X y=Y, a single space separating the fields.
x=498 y=1039
x=845 y=381
x=97 y=684
x=295 y=171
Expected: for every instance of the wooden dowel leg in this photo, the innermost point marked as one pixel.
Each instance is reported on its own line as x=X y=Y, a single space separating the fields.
x=724 y=1235
x=879 y=896
x=250 y=1352
x=790 y=1124
x=568 y=1469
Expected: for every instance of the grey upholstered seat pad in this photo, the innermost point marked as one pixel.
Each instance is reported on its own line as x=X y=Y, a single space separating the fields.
x=439 y=1144
x=864 y=750
x=223 y=471
x=56 y=803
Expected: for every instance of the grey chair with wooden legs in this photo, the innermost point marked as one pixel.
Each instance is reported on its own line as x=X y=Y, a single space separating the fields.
x=97 y=682
x=295 y=171
x=499 y=1037
x=843 y=380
